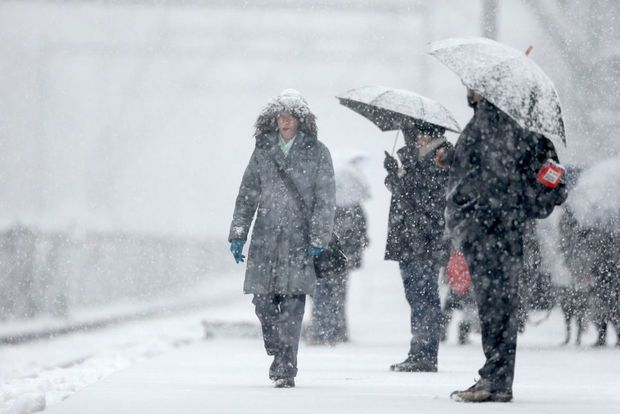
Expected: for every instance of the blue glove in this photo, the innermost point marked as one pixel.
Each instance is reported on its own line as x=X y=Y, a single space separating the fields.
x=314 y=251
x=236 y=248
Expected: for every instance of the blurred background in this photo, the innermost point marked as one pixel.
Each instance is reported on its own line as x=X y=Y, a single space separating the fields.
x=125 y=126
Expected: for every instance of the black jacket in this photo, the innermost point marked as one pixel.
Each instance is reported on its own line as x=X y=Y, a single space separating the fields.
x=351 y=226
x=492 y=182
x=416 y=222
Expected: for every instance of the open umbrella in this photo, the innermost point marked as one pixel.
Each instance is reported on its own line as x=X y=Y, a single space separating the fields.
x=391 y=109
x=508 y=79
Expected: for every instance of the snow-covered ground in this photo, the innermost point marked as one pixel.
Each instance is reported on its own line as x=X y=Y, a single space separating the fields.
x=39 y=374
x=166 y=366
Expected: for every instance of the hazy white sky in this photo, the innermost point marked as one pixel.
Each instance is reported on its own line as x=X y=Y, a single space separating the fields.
x=140 y=116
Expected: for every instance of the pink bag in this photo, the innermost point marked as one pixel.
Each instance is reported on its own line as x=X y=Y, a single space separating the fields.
x=457 y=271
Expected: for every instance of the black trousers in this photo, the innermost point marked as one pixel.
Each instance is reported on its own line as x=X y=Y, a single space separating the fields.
x=280 y=317
x=421 y=282
x=495 y=259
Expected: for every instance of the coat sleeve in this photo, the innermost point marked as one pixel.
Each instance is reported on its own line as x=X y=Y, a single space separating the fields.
x=324 y=209
x=393 y=184
x=247 y=201
x=540 y=200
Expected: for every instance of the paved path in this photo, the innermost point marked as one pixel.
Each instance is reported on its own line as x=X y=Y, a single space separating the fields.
x=228 y=375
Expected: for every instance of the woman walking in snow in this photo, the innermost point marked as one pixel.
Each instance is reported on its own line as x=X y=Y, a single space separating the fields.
x=286 y=235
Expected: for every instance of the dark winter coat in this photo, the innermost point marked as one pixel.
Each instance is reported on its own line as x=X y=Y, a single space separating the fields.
x=492 y=181
x=606 y=268
x=416 y=222
x=351 y=226
x=278 y=260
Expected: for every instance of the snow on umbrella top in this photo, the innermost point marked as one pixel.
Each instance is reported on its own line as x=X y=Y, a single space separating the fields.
x=595 y=199
x=391 y=109
x=508 y=79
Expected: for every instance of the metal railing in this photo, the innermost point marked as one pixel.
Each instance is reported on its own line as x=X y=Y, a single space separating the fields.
x=52 y=272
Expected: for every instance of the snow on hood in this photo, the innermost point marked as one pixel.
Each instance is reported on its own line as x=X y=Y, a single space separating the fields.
x=288 y=101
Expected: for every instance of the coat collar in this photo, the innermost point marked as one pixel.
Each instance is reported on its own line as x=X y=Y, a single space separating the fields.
x=302 y=141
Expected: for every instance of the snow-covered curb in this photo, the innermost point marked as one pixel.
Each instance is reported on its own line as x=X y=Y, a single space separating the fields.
x=38 y=374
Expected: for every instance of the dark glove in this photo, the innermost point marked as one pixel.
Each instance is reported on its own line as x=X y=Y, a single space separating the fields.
x=390 y=164
x=236 y=248
x=541 y=201
x=314 y=251
x=561 y=194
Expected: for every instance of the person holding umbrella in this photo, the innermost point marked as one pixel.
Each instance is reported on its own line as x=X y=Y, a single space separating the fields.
x=415 y=224
x=497 y=182
x=280 y=271
x=415 y=236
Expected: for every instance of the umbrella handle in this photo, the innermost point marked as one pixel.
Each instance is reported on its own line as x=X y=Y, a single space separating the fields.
x=395 y=141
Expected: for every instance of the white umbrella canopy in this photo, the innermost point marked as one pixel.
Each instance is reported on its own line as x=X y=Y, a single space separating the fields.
x=391 y=109
x=508 y=79
x=595 y=199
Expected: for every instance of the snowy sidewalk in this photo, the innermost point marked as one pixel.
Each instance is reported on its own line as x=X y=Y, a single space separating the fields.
x=227 y=375
x=230 y=376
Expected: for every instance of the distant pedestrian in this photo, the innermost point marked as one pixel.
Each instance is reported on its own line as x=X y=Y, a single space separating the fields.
x=574 y=289
x=329 y=319
x=606 y=289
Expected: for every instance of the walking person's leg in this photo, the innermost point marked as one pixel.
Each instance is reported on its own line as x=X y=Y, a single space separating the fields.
x=326 y=311
x=290 y=319
x=601 y=332
x=581 y=310
x=601 y=311
x=320 y=312
x=449 y=307
x=267 y=309
x=340 y=333
x=463 y=334
x=470 y=319
x=281 y=317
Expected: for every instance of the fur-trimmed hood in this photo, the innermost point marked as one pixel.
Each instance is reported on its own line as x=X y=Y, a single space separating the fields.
x=288 y=101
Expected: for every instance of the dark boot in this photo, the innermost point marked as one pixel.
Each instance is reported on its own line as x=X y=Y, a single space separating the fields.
x=567 y=324
x=412 y=365
x=482 y=391
x=601 y=339
x=276 y=368
x=446 y=317
x=464 y=329
x=284 y=383
x=581 y=327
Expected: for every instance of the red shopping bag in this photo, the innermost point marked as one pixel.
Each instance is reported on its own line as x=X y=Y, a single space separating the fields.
x=457 y=271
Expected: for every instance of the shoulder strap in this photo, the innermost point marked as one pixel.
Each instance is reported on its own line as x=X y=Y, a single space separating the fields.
x=292 y=188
